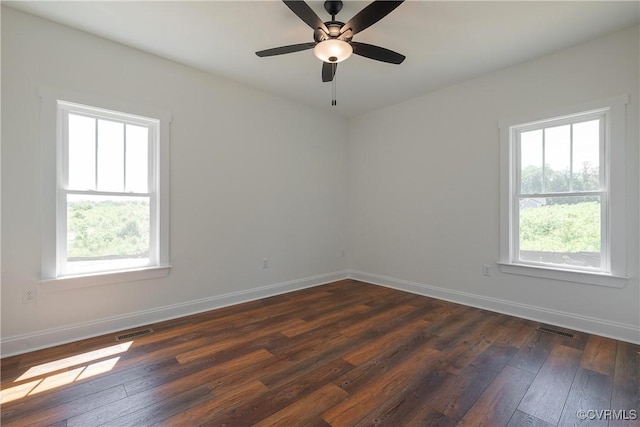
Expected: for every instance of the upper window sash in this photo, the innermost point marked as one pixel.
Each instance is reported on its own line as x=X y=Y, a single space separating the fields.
x=516 y=147
x=151 y=125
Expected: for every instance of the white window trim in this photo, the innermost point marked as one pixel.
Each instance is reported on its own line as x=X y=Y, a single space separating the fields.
x=614 y=154
x=51 y=156
x=103 y=278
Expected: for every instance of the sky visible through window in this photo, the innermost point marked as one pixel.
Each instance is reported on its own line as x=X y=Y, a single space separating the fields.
x=107 y=156
x=559 y=155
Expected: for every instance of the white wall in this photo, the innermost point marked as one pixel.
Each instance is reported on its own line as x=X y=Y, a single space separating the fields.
x=424 y=188
x=252 y=176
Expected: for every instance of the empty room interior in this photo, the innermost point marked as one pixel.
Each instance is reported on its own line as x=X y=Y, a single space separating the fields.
x=418 y=213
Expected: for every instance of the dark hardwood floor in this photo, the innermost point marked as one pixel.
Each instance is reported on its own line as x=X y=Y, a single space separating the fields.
x=342 y=354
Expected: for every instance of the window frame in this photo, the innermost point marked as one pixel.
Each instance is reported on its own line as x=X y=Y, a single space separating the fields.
x=55 y=107
x=612 y=181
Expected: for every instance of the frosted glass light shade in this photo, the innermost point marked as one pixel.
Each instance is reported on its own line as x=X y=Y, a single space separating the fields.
x=333 y=50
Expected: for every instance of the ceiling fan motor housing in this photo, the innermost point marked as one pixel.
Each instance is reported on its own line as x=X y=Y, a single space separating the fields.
x=334 y=28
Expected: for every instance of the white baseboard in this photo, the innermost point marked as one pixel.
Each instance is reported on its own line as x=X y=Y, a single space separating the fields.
x=592 y=325
x=19 y=344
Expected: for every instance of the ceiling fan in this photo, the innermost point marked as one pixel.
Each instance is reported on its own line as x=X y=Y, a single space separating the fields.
x=333 y=39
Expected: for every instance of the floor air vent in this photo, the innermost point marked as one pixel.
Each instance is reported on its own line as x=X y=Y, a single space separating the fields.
x=134 y=334
x=554 y=331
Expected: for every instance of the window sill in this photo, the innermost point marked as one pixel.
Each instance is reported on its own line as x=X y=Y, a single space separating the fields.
x=575 y=276
x=104 y=278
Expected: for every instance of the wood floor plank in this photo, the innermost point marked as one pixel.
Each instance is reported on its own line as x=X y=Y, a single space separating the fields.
x=332 y=341
x=157 y=411
x=455 y=321
x=599 y=355
x=355 y=330
x=590 y=391
x=59 y=413
x=235 y=338
x=519 y=332
x=534 y=352
x=346 y=353
x=546 y=397
x=400 y=408
x=429 y=417
x=459 y=392
x=387 y=341
x=359 y=404
x=481 y=339
x=495 y=357
x=577 y=341
x=360 y=377
x=307 y=410
x=459 y=328
x=439 y=310
x=297 y=328
x=521 y=419
x=160 y=392
x=231 y=379
x=205 y=372
x=408 y=407
x=626 y=385
x=279 y=398
x=214 y=406
x=60 y=397
x=496 y=405
x=107 y=414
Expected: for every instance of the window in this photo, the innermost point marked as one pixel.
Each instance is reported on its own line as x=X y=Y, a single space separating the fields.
x=111 y=193
x=561 y=194
x=561 y=199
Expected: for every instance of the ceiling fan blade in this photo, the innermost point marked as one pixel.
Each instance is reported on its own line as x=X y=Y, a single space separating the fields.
x=285 y=49
x=369 y=16
x=304 y=12
x=328 y=71
x=376 y=52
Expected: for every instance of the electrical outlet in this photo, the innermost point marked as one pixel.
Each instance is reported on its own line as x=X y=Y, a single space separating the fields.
x=486 y=270
x=265 y=263
x=28 y=296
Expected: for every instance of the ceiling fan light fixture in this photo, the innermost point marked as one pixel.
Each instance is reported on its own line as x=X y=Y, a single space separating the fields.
x=333 y=50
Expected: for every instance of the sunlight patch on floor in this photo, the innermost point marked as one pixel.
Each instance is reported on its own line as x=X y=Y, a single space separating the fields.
x=74 y=368
x=79 y=359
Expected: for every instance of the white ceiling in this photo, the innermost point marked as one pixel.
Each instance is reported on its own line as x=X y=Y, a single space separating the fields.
x=445 y=41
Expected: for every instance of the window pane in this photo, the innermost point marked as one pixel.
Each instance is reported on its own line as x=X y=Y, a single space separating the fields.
x=531 y=162
x=110 y=156
x=586 y=156
x=82 y=152
x=561 y=230
x=106 y=233
x=557 y=159
x=137 y=167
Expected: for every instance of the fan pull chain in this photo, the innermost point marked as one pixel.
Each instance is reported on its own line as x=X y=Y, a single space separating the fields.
x=334 y=102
